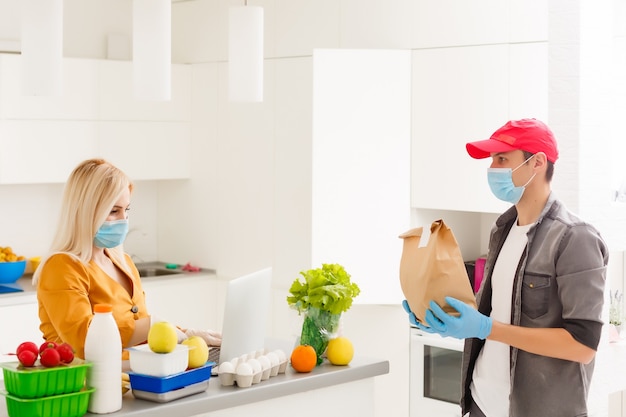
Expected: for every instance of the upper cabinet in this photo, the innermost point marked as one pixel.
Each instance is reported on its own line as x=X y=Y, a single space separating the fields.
x=463 y=94
x=147 y=150
x=78 y=102
x=43 y=151
x=43 y=138
x=116 y=100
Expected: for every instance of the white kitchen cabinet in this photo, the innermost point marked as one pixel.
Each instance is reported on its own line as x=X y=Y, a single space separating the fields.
x=92 y=90
x=46 y=151
x=77 y=102
x=43 y=151
x=297 y=26
x=19 y=323
x=116 y=101
x=461 y=95
x=44 y=138
x=360 y=165
x=459 y=23
x=147 y=150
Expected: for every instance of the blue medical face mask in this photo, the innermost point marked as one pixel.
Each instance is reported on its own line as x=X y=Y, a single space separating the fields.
x=501 y=183
x=111 y=234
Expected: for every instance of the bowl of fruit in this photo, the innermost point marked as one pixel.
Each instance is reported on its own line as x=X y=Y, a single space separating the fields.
x=12 y=266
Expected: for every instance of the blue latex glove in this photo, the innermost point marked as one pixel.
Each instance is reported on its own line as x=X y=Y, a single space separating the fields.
x=470 y=322
x=413 y=319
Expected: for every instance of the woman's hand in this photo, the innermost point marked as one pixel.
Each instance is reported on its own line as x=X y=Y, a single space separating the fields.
x=212 y=338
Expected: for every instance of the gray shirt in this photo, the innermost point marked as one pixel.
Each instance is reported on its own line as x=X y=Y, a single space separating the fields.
x=559 y=283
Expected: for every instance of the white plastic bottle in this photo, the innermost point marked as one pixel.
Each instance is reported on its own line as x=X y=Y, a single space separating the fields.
x=103 y=348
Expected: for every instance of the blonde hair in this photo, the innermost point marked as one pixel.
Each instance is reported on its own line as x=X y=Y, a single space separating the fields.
x=91 y=191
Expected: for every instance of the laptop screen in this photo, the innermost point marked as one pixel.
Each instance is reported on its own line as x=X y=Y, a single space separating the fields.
x=245 y=314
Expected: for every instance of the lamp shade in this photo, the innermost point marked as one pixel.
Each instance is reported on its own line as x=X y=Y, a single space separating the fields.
x=152 y=50
x=245 y=54
x=42 y=47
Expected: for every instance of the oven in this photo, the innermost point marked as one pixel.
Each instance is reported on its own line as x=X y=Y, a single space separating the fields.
x=435 y=375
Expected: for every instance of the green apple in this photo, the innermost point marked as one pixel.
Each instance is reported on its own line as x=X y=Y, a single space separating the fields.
x=198 y=351
x=162 y=337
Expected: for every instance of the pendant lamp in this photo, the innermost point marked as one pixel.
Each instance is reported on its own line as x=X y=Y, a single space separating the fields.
x=42 y=47
x=245 y=54
x=152 y=50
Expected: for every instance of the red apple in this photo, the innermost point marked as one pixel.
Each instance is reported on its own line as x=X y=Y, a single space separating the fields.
x=27 y=357
x=29 y=346
x=50 y=358
x=47 y=345
x=65 y=352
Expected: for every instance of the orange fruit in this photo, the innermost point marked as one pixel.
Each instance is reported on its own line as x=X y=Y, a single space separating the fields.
x=303 y=358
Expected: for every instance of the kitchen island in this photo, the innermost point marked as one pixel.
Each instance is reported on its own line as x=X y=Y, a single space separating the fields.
x=328 y=390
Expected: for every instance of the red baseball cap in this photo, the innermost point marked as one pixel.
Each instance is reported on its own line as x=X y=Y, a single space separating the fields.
x=529 y=135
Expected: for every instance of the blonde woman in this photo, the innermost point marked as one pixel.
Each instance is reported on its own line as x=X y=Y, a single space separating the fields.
x=87 y=264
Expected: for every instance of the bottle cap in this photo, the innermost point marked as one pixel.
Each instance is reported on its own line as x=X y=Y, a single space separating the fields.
x=102 y=308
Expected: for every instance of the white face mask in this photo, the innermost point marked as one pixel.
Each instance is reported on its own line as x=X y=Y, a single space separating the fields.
x=501 y=183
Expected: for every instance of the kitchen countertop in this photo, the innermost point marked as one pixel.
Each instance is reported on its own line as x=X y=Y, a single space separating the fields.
x=29 y=292
x=218 y=397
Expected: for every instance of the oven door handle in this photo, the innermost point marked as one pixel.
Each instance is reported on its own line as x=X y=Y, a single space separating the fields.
x=436 y=340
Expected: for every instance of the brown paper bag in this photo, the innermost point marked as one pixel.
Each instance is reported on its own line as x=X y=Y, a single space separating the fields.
x=434 y=271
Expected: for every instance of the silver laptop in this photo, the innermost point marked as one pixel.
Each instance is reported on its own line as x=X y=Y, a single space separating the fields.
x=245 y=315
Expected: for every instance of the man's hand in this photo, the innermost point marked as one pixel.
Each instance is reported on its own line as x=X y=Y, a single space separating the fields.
x=470 y=322
x=413 y=319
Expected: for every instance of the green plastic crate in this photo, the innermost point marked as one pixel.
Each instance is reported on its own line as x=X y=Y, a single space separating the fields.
x=67 y=405
x=37 y=382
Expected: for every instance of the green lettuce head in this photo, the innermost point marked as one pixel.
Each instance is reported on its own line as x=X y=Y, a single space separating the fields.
x=327 y=288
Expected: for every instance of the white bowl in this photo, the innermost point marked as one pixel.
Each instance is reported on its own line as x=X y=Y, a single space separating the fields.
x=144 y=361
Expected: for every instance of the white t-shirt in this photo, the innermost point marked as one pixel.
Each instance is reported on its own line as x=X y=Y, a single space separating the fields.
x=491 y=381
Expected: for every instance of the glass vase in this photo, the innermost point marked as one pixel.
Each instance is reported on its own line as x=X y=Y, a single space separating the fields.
x=318 y=328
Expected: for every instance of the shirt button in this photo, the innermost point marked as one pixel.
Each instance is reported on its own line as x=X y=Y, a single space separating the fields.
x=134 y=309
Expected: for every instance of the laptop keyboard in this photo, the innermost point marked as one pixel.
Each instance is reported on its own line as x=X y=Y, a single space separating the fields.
x=214 y=355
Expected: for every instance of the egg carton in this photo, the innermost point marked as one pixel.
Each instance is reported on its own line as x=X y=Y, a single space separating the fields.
x=253 y=368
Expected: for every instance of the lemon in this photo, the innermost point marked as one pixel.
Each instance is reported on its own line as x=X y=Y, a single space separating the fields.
x=198 y=351
x=162 y=337
x=340 y=351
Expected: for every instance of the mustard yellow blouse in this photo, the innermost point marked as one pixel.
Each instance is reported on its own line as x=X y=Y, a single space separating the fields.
x=67 y=291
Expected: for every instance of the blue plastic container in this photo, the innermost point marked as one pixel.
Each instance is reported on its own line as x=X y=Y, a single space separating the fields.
x=172 y=382
x=11 y=271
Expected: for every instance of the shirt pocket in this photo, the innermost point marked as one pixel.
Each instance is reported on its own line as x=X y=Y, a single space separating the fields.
x=535 y=295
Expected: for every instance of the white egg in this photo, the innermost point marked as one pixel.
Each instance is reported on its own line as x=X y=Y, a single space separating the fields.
x=226 y=368
x=235 y=362
x=244 y=369
x=273 y=357
x=265 y=362
x=282 y=356
x=256 y=365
